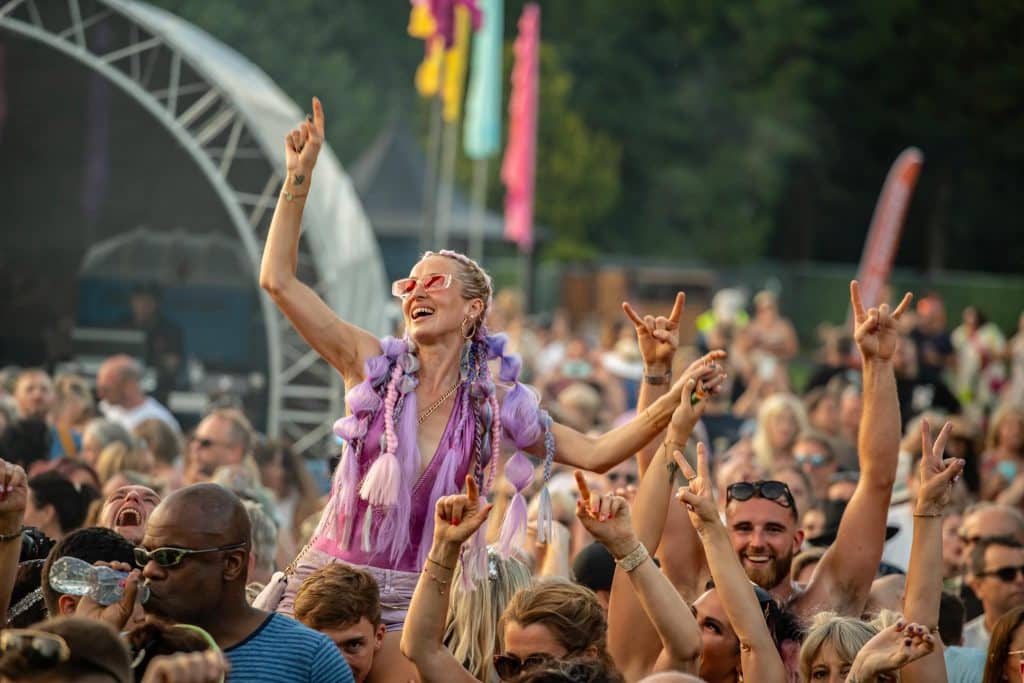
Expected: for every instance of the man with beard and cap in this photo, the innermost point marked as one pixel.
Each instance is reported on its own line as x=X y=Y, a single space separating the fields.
x=763 y=521
x=195 y=557
x=127 y=510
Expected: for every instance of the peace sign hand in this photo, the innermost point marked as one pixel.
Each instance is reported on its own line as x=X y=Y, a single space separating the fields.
x=937 y=475
x=301 y=148
x=458 y=517
x=696 y=495
x=875 y=330
x=658 y=337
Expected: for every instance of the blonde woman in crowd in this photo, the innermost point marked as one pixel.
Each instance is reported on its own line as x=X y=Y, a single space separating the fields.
x=780 y=420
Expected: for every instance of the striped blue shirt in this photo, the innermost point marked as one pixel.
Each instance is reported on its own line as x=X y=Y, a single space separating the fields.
x=283 y=650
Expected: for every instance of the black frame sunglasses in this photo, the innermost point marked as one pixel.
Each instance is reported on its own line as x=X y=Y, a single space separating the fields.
x=509 y=666
x=1005 y=574
x=171 y=556
x=769 y=489
x=32 y=651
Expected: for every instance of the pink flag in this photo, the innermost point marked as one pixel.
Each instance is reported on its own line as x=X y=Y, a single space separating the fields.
x=887 y=224
x=519 y=164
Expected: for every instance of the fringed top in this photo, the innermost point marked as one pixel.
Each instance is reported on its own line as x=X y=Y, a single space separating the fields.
x=381 y=511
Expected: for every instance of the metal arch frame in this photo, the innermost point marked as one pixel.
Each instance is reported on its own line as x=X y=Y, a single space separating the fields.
x=296 y=373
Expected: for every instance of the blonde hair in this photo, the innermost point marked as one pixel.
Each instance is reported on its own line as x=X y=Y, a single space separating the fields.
x=1007 y=411
x=846 y=635
x=472 y=633
x=476 y=283
x=116 y=458
x=772 y=406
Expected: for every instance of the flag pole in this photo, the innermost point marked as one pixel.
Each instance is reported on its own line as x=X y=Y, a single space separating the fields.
x=446 y=186
x=430 y=182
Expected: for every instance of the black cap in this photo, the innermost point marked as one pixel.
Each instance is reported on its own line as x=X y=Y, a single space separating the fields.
x=594 y=567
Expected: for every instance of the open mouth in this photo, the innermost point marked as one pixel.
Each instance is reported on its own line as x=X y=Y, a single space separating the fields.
x=420 y=312
x=758 y=559
x=128 y=517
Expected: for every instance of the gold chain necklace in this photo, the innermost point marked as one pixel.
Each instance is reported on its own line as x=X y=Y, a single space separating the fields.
x=437 y=404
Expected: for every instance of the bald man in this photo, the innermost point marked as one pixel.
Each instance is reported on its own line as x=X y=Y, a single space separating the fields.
x=196 y=555
x=123 y=400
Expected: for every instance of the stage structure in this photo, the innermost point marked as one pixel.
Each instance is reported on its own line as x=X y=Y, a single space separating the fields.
x=230 y=119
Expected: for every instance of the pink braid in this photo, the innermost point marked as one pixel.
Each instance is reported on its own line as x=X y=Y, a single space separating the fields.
x=390 y=401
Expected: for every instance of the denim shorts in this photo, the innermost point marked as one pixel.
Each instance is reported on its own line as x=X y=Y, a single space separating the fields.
x=396 y=588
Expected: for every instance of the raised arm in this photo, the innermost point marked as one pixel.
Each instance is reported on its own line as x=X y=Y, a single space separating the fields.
x=843 y=578
x=341 y=344
x=456 y=519
x=13 y=498
x=601 y=453
x=658 y=339
x=607 y=519
x=891 y=650
x=924 y=575
x=758 y=656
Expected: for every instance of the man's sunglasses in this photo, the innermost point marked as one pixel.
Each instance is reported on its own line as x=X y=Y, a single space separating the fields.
x=769 y=489
x=431 y=283
x=171 y=557
x=1005 y=574
x=33 y=650
x=509 y=666
x=812 y=459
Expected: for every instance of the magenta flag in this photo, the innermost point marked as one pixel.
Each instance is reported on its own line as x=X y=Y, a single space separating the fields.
x=519 y=165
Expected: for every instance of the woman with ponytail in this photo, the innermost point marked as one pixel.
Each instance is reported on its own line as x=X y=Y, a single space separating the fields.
x=423 y=413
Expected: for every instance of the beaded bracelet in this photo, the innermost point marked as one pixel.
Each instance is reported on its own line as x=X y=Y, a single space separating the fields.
x=634 y=559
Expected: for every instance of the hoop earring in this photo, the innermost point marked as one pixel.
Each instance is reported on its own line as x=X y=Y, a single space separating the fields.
x=473 y=328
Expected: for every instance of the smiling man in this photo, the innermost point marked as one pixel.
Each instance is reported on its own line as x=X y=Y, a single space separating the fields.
x=127 y=510
x=343 y=603
x=996 y=573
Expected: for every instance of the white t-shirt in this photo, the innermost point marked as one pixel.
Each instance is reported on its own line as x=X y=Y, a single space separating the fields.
x=148 y=409
x=897 y=548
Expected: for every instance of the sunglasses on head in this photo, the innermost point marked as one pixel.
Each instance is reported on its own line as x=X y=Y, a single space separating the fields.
x=431 y=283
x=769 y=489
x=170 y=556
x=626 y=477
x=34 y=651
x=1005 y=574
x=509 y=666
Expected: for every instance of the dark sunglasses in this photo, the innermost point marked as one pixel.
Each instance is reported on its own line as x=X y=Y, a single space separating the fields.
x=628 y=477
x=1005 y=574
x=36 y=651
x=172 y=557
x=769 y=489
x=509 y=666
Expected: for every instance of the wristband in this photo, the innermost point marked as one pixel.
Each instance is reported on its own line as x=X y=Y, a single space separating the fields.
x=637 y=557
x=656 y=380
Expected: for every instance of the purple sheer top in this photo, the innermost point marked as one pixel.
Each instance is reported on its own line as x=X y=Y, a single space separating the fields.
x=443 y=476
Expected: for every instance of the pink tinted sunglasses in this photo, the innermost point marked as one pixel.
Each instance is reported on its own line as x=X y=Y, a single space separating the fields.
x=431 y=283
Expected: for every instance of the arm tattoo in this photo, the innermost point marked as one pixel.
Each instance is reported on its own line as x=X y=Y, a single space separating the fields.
x=299 y=179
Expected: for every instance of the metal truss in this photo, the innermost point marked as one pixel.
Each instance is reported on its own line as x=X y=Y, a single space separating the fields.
x=304 y=393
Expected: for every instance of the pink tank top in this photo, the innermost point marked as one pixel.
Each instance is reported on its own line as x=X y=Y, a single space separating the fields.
x=422 y=507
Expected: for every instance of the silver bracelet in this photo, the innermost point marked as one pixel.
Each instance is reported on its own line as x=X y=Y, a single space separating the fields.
x=634 y=559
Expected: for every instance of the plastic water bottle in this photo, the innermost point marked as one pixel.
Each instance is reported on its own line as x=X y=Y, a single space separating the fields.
x=72 y=576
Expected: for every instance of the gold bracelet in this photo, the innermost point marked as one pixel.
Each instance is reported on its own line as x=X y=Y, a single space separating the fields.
x=10 y=537
x=442 y=566
x=441 y=583
x=634 y=559
x=928 y=514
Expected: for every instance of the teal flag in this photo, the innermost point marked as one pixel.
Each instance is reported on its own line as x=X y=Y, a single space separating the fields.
x=482 y=126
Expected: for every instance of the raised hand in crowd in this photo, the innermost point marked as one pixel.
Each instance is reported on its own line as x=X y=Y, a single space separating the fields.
x=890 y=650
x=875 y=330
x=607 y=519
x=658 y=339
x=301 y=149
x=13 y=499
x=209 y=666
x=759 y=658
x=924 y=573
x=456 y=519
x=842 y=580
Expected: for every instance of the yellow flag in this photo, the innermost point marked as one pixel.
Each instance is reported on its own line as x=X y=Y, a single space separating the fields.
x=428 y=73
x=455 y=66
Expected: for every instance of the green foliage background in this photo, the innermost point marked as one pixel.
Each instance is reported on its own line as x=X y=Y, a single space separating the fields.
x=723 y=132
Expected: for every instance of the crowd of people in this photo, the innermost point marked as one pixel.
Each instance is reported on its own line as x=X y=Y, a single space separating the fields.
x=691 y=512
